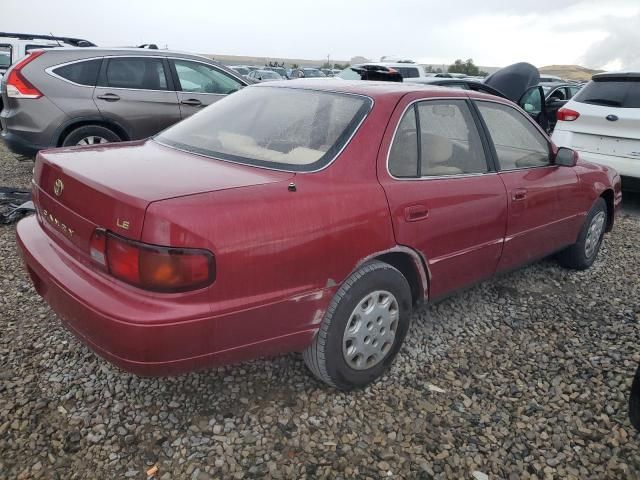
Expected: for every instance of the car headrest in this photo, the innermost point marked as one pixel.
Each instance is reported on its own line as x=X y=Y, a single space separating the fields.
x=436 y=149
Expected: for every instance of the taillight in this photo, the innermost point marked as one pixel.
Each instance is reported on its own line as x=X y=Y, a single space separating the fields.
x=567 y=115
x=17 y=85
x=151 y=267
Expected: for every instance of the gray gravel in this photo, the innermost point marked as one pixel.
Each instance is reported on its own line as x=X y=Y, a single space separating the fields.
x=526 y=376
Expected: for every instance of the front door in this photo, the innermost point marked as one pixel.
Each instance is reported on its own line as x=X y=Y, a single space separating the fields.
x=445 y=200
x=200 y=84
x=543 y=198
x=136 y=93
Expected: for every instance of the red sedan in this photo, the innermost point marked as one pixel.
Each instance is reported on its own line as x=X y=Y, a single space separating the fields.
x=307 y=215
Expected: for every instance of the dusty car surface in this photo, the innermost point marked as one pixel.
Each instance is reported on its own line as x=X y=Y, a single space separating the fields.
x=307 y=215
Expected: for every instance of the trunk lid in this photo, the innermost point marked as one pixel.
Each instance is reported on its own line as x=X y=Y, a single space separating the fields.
x=79 y=189
x=593 y=132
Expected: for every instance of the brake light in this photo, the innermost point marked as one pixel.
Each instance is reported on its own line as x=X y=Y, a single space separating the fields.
x=17 y=85
x=152 y=267
x=567 y=115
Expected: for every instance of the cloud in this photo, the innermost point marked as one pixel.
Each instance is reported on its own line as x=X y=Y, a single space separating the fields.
x=620 y=48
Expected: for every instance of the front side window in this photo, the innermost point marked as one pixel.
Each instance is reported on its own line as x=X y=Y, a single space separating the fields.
x=137 y=73
x=517 y=142
x=196 y=77
x=284 y=128
x=446 y=142
x=532 y=100
x=82 y=73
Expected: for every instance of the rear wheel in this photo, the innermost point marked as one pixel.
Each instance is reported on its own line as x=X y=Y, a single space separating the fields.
x=363 y=328
x=583 y=253
x=90 y=135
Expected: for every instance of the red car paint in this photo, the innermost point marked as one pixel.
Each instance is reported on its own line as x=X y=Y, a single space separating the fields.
x=280 y=253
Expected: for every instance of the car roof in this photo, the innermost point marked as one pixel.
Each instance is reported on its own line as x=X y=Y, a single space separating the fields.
x=373 y=89
x=152 y=52
x=620 y=74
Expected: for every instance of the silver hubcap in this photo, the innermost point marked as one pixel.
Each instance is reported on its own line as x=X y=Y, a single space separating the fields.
x=371 y=330
x=92 y=140
x=594 y=233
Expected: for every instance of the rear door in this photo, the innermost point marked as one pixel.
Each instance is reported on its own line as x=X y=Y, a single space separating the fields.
x=445 y=200
x=544 y=199
x=200 y=84
x=137 y=93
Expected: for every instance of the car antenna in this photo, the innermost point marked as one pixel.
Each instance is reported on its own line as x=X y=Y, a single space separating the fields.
x=54 y=38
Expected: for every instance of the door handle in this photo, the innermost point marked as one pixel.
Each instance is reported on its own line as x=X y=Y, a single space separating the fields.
x=109 y=97
x=518 y=194
x=415 y=213
x=194 y=102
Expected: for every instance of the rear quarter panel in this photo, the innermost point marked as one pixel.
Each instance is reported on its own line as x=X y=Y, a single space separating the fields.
x=280 y=253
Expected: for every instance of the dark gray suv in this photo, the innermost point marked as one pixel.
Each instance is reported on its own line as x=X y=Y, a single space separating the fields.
x=83 y=96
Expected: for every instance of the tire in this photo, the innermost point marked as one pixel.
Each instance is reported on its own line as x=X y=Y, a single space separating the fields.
x=330 y=357
x=584 y=252
x=634 y=401
x=98 y=133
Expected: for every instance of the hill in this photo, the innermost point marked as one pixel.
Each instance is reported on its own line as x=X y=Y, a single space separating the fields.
x=569 y=72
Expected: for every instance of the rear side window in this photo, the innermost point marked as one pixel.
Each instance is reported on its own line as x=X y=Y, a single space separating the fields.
x=136 y=73
x=517 y=142
x=82 y=73
x=446 y=142
x=611 y=92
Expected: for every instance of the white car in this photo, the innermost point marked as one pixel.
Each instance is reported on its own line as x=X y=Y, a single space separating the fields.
x=602 y=122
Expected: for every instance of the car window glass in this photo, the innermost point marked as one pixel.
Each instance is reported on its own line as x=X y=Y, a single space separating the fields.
x=408 y=72
x=531 y=101
x=558 y=94
x=291 y=129
x=573 y=91
x=198 y=77
x=517 y=142
x=5 y=55
x=83 y=73
x=136 y=73
x=403 y=156
x=449 y=141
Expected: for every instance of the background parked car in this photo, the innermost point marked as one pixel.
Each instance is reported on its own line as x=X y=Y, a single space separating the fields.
x=602 y=122
x=17 y=45
x=80 y=96
x=557 y=94
x=279 y=70
x=263 y=76
x=306 y=72
x=406 y=69
x=370 y=72
x=240 y=69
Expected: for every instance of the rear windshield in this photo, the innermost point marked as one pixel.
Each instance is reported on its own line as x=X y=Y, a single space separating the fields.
x=282 y=128
x=616 y=92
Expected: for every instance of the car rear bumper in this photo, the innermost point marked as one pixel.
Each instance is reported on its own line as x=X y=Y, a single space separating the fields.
x=19 y=145
x=122 y=329
x=626 y=167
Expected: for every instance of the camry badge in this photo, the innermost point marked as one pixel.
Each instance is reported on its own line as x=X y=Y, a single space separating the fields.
x=58 y=187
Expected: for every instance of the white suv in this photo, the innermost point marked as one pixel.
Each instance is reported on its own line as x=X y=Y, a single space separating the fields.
x=14 y=46
x=602 y=122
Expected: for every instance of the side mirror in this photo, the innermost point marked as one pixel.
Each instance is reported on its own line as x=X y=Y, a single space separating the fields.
x=566 y=157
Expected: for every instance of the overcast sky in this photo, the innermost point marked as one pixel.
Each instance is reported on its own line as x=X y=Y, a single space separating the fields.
x=597 y=34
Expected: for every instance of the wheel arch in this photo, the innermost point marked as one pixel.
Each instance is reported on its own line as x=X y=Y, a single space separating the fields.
x=609 y=199
x=411 y=264
x=67 y=128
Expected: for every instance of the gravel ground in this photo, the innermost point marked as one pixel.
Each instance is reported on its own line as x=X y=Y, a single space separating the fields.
x=534 y=370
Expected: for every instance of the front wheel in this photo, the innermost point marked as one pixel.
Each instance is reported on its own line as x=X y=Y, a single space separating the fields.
x=363 y=328
x=583 y=253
